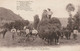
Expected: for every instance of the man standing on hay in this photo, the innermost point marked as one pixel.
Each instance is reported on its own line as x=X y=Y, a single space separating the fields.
x=49 y=13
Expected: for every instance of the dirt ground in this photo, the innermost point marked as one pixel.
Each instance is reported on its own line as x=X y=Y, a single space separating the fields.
x=8 y=42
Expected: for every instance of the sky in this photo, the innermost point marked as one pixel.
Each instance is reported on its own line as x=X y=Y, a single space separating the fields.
x=58 y=7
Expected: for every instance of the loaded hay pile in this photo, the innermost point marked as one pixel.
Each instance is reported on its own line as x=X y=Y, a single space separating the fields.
x=47 y=26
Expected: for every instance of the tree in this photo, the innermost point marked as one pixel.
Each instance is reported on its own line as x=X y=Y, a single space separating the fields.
x=36 y=21
x=18 y=24
x=25 y=22
x=8 y=25
x=70 y=8
x=70 y=24
x=76 y=20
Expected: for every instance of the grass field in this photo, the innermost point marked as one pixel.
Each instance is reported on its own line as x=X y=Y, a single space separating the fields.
x=8 y=42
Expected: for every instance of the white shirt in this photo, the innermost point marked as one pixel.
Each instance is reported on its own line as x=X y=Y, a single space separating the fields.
x=27 y=31
x=24 y=27
x=75 y=31
x=34 y=31
x=18 y=31
x=13 y=30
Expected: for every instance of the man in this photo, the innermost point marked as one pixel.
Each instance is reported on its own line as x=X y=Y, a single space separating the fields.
x=13 y=30
x=27 y=31
x=49 y=13
x=44 y=14
x=75 y=33
x=18 y=32
x=24 y=27
x=34 y=32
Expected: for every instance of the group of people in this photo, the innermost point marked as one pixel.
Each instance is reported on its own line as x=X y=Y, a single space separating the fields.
x=47 y=13
x=26 y=30
x=35 y=32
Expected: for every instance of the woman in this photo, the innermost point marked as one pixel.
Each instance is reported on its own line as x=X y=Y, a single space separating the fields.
x=44 y=14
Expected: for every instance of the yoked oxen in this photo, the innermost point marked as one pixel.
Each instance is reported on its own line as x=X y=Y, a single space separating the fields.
x=66 y=33
x=51 y=36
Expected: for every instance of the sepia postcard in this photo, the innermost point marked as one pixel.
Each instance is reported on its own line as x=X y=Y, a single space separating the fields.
x=39 y=25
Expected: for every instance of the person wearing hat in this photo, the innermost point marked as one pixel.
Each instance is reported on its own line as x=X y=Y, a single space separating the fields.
x=13 y=30
x=34 y=32
x=49 y=13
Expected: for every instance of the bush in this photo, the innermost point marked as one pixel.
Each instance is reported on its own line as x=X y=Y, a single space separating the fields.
x=17 y=24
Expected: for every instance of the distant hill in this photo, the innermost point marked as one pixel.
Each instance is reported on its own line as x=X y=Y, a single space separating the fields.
x=64 y=21
x=7 y=14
